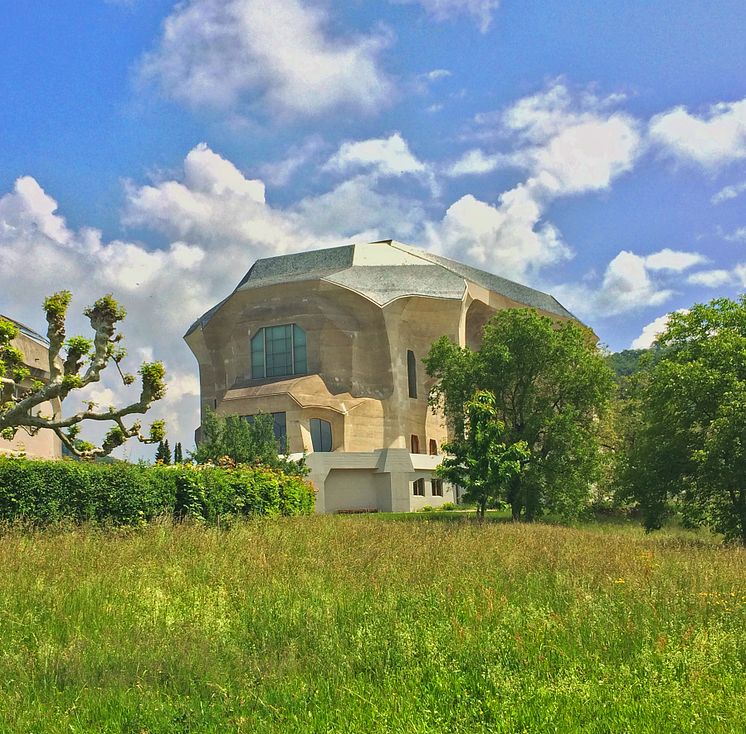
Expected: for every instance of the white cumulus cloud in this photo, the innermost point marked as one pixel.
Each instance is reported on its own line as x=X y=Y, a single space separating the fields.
x=712 y=140
x=389 y=156
x=283 y=56
x=481 y=10
x=650 y=332
x=509 y=239
x=711 y=278
x=628 y=284
x=673 y=260
x=567 y=143
x=728 y=192
x=474 y=162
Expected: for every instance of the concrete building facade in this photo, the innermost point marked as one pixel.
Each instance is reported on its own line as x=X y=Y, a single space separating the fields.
x=45 y=444
x=331 y=343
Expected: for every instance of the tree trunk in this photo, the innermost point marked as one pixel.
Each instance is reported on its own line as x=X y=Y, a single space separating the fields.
x=481 y=507
x=515 y=499
x=741 y=514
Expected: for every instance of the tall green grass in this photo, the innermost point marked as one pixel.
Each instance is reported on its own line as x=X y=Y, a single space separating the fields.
x=351 y=624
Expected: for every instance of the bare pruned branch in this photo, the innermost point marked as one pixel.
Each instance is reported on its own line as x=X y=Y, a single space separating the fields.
x=19 y=400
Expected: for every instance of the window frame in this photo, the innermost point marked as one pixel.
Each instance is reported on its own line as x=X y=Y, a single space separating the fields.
x=321 y=422
x=417 y=485
x=411 y=374
x=436 y=482
x=279 y=427
x=414 y=444
x=298 y=347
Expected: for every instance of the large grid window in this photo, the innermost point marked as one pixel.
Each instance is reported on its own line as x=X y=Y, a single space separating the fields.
x=321 y=434
x=277 y=351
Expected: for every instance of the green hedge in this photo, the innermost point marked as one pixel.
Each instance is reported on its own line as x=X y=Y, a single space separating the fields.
x=44 y=492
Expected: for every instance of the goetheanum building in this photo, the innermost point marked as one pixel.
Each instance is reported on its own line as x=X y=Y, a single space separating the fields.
x=331 y=342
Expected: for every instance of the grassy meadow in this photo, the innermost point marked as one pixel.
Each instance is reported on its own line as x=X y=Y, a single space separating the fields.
x=358 y=624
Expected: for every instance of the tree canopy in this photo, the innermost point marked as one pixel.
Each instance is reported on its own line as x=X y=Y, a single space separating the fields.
x=480 y=462
x=243 y=442
x=74 y=363
x=550 y=385
x=686 y=448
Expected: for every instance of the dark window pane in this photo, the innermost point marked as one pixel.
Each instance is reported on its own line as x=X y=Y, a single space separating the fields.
x=412 y=373
x=299 y=350
x=279 y=428
x=321 y=434
x=281 y=431
x=277 y=351
x=257 y=355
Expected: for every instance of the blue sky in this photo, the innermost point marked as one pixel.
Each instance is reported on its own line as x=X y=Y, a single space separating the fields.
x=155 y=150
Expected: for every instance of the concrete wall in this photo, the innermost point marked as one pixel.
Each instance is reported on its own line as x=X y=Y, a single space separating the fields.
x=45 y=444
x=376 y=480
x=355 y=489
x=356 y=350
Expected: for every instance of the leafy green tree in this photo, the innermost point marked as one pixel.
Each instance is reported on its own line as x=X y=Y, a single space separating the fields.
x=178 y=453
x=626 y=362
x=551 y=386
x=689 y=448
x=163 y=453
x=480 y=462
x=74 y=363
x=243 y=442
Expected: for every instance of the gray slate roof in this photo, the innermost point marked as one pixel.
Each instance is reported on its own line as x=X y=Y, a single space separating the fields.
x=384 y=271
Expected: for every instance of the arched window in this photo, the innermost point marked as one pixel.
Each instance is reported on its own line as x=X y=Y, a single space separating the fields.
x=321 y=434
x=412 y=373
x=277 y=351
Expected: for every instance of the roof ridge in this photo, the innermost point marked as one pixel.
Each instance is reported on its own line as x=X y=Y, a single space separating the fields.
x=27 y=330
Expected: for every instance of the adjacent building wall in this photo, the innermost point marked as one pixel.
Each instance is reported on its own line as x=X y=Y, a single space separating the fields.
x=44 y=444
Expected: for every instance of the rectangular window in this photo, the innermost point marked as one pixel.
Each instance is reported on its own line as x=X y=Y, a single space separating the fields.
x=321 y=434
x=300 y=363
x=433 y=447
x=411 y=374
x=257 y=355
x=436 y=486
x=277 y=351
x=278 y=342
x=279 y=427
x=418 y=488
x=281 y=430
x=414 y=443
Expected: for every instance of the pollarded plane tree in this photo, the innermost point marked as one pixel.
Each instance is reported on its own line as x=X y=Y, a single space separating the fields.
x=74 y=363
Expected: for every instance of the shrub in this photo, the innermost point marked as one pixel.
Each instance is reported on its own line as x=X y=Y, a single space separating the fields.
x=45 y=492
x=427 y=508
x=447 y=506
